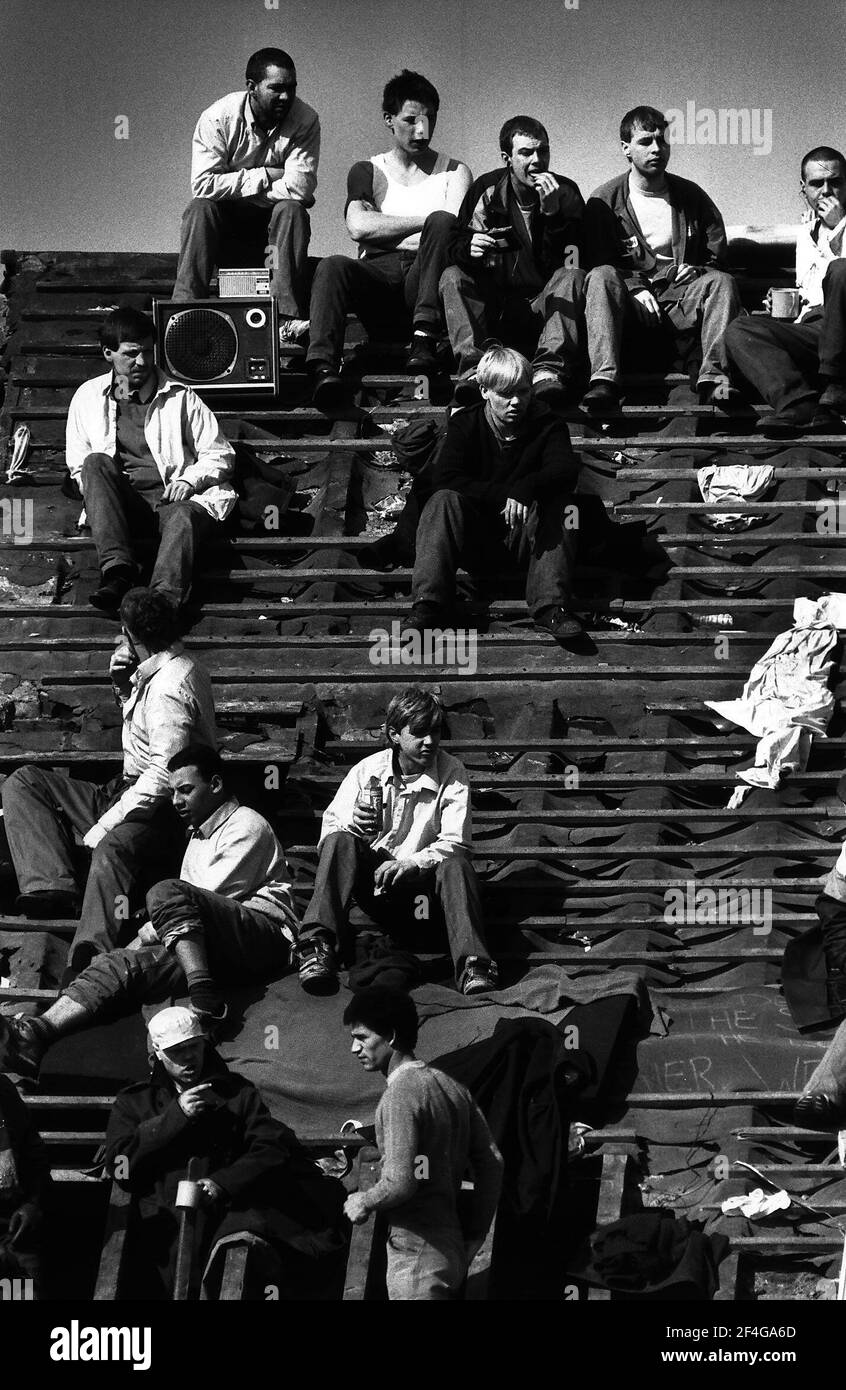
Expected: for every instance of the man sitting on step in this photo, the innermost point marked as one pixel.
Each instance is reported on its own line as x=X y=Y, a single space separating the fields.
x=228 y=916
x=253 y=176
x=656 y=243
x=502 y=494
x=519 y=278
x=396 y=833
x=800 y=368
x=150 y=460
x=128 y=824
x=401 y=211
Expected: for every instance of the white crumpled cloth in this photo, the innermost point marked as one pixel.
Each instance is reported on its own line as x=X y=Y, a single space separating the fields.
x=786 y=699
x=733 y=482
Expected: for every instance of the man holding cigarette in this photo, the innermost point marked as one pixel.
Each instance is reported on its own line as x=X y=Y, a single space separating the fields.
x=518 y=276
x=800 y=368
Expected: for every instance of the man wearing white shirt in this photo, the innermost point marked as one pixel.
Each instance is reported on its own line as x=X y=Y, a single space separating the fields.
x=128 y=824
x=253 y=176
x=150 y=460
x=800 y=368
x=418 y=844
x=228 y=916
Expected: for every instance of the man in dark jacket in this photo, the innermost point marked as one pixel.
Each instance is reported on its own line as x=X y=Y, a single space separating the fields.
x=256 y=1181
x=656 y=244
x=24 y=1183
x=503 y=491
x=519 y=276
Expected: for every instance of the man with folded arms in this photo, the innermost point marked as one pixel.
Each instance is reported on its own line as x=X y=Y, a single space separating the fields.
x=253 y=176
x=800 y=368
x=518 y=277
x=657 y=245
x=128 y=824
x=228 y=916
x=401 y=212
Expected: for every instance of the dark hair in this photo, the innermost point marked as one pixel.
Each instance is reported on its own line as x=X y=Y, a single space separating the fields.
x=409 y=86
x=823 y=152
x=415 y=705
x=151 y=616
x=646 y=118
x=202 y=756
x=125 y=325
x=258 y=63
x=389 y=1012
x=521 y=125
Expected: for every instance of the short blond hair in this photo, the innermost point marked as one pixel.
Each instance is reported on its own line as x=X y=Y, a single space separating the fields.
x=501 y=369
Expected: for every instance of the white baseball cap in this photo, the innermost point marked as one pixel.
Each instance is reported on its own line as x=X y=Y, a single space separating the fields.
x=172 y=1026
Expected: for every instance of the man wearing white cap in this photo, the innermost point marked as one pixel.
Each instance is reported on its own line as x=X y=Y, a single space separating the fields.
x=256 y=1181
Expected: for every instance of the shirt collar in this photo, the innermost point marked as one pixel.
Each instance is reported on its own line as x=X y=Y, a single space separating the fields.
x=424 y=779
x=134 y=395
x=415 y=1062
x=215 y=821
x=154 y=663
x=162 y=384
x=250 y=120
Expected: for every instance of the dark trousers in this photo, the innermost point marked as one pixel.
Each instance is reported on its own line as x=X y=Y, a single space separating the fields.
x=702 y=308
x=549 y=326
x=236 y=232
x=242 y=945
x=455 y=530
x=119 y=515
x=345 y=872
x=389 y=293
x=43 y=810
x=784 y=361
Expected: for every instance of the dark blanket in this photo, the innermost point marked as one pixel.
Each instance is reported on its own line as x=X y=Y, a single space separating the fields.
x=655 y=1254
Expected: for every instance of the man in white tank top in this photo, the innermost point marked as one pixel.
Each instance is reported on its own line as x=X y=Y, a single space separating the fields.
x=401 y=212
x=656 y=243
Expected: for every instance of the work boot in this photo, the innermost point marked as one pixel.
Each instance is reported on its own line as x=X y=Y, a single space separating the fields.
x=114 y=583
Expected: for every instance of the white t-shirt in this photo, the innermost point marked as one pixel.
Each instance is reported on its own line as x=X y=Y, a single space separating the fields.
x=374 y=181
x=655 y=215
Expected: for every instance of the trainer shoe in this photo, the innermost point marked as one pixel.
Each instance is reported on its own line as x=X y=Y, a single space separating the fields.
x=479 y=976
x=317 y=967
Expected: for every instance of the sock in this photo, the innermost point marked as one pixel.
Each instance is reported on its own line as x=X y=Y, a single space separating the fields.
x=203 y=992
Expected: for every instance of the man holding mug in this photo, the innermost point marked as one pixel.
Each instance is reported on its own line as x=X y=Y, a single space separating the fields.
x=800 y=368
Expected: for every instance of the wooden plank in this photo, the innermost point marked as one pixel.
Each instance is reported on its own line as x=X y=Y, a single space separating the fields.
x=234 y=1277
x=358 y=1275
x=609 y=1204
x=113 y=1252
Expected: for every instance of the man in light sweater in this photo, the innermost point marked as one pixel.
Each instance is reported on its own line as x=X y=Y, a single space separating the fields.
x=253 y=176
x=128 y=824
x=430 y=1132
x=800 y=368
x=229 y=916
x=410 y=847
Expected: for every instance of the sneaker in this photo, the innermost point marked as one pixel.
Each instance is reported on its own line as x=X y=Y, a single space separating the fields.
x=602 y=398
x=317 y=968
x=819 y=1111
x=478 y=976
x=23 y=1043
x=292 y=331
x=212 y=1020
x=423 y=354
